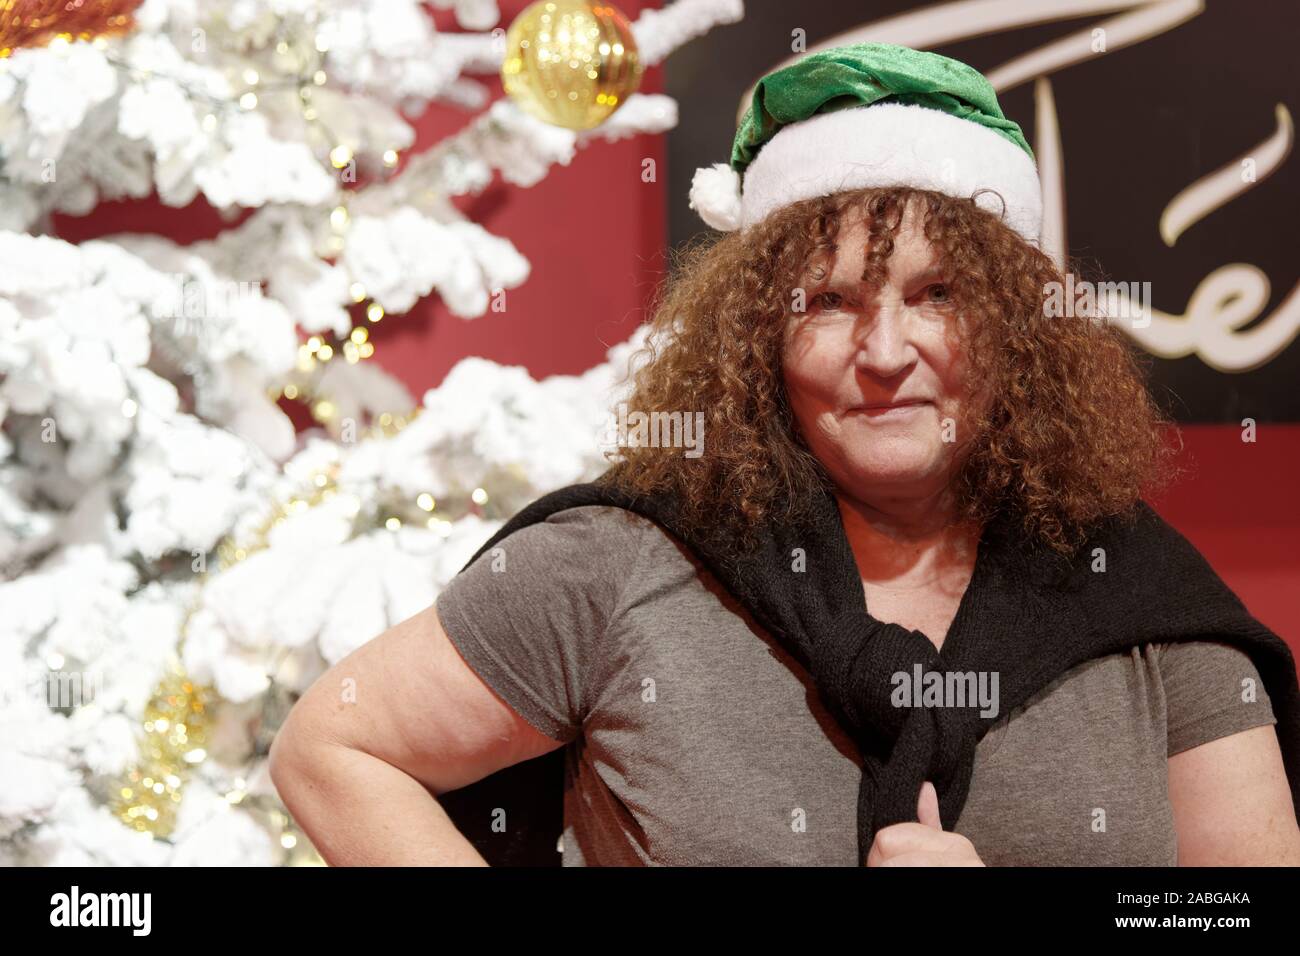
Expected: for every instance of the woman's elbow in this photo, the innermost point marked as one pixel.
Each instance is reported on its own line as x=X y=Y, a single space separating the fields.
x=291 y=752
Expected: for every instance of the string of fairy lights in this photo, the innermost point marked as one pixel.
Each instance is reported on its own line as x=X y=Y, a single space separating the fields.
x=179 y=716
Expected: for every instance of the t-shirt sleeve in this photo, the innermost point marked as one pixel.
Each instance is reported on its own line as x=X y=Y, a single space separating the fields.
x=1212 y=689
x=529 y=614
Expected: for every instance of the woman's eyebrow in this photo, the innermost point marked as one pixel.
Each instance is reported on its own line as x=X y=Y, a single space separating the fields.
x=829 y=281
x=927 y=274
x=850 y=289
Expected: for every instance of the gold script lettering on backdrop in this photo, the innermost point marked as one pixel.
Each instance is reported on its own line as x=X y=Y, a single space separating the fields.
x=1227 y=299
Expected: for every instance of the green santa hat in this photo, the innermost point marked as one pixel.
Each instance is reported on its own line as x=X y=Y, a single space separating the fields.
x=872 y=114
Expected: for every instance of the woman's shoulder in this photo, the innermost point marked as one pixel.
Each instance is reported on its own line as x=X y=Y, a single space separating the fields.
x=1197 y=667
x=1212 y=689
x=609 y=520
x=1189 y=692
x=607 y=527
x=589 y=538
x=584 y=547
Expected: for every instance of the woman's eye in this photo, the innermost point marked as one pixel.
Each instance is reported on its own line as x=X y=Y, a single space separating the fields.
x=937 y=292
x=829 y=301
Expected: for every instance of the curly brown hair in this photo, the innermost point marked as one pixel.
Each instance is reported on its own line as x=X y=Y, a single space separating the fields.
x=1067 y=435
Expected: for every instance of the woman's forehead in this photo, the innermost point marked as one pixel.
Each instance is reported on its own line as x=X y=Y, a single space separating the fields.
x=912 y=251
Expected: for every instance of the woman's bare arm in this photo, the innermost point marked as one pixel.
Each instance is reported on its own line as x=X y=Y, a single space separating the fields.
x=1232 y=803
x=402 y=718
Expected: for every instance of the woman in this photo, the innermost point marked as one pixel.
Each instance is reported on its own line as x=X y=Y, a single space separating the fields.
x=891 y=415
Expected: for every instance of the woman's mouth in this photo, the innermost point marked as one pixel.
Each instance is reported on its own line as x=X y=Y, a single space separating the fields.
x=899 y=409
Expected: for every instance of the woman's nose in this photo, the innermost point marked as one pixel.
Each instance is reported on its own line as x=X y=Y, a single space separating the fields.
x=884 y=347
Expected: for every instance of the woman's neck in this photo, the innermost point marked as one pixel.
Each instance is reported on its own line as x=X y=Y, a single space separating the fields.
x=909 y=544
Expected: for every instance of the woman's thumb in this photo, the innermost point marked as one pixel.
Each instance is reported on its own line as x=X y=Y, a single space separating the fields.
x=927 y=807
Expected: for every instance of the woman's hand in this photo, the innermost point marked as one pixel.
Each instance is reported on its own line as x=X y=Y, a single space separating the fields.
x=922 y=844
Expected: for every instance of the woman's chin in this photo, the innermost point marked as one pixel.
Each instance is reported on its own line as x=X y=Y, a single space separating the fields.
x=893 y=474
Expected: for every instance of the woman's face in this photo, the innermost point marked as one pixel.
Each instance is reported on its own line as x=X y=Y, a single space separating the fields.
x=875 y=377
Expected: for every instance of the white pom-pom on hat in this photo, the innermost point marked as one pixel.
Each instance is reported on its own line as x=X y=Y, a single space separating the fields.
x=715 y=195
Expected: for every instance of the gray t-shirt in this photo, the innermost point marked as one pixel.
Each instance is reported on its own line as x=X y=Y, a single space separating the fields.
x=694 y=738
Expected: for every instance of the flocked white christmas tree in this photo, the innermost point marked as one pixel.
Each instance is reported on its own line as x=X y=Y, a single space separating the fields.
x=176 y=563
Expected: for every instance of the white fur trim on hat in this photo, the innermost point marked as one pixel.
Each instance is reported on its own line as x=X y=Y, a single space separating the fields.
x=893 y=144
x=715 y=195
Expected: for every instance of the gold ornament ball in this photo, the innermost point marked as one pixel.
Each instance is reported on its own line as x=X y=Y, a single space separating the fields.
x=570 y=62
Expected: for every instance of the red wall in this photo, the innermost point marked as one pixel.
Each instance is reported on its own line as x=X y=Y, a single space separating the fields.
x=1239 y=505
